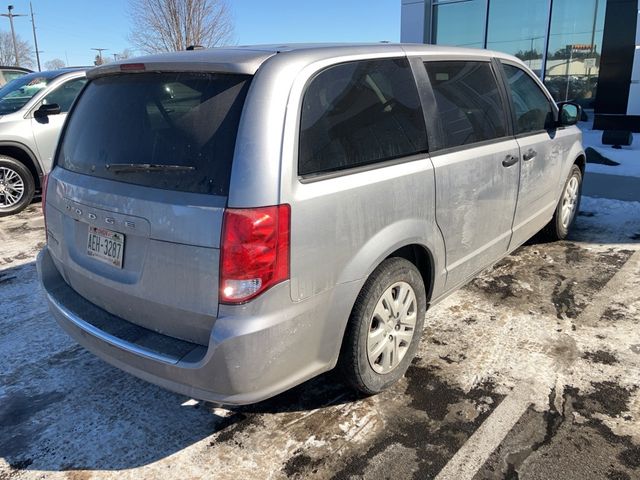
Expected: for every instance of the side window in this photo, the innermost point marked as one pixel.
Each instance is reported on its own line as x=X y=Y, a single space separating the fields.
x=360 y=113
x=533 y=109
x=469 y=105
x=65 y=94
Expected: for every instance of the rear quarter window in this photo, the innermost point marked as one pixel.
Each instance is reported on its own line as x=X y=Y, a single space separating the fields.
x=186 y=120
x=360 y=113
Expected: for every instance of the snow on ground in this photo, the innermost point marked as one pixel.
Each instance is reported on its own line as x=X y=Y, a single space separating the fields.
x=606 y=221
x=627 y=157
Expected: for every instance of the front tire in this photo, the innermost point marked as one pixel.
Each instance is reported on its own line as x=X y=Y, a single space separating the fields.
x=385 y=327
x=568 y=206
x=17 y=186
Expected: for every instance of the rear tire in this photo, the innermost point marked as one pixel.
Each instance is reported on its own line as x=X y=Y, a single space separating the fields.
x=385 y=327
x=17 y=186
x=568 y=206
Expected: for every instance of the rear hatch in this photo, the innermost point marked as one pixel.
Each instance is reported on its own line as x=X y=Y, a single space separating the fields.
x=135 y=205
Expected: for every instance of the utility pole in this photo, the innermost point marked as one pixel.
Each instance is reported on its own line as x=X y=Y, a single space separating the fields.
x=100 y=50
x=10 y=15
x=35 y=39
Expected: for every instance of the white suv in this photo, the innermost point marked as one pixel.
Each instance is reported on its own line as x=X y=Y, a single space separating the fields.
x=33 y=108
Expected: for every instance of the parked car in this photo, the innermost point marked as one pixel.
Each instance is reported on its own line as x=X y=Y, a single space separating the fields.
x=33 y=108
x=229 y=223
x=11 y=73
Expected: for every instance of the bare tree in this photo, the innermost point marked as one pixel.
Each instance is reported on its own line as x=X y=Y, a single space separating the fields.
x=124 y=54
x=54 y=64
x=171 y=25
x=7 y=55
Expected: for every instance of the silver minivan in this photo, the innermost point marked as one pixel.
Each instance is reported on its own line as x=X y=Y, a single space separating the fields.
x=229 y=223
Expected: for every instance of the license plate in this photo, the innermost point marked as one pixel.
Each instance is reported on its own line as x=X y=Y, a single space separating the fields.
x=106 y=246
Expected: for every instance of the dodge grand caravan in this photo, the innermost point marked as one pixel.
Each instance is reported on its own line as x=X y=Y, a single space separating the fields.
x=229 y=223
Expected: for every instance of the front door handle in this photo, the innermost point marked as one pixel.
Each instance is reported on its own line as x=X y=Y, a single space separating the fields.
x=529 y=154
x=509 y=160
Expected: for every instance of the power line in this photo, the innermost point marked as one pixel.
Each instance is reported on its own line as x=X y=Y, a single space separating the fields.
x=10 y=16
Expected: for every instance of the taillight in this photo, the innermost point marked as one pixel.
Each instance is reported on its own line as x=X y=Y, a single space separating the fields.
x=254 y=251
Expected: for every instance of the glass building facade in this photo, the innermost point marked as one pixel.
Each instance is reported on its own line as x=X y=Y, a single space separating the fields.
x=560 y=40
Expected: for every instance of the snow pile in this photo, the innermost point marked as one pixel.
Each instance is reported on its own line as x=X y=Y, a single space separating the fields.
x=627 y=157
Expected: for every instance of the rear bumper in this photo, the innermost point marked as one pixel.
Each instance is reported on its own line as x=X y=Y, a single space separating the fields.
x=255 y=351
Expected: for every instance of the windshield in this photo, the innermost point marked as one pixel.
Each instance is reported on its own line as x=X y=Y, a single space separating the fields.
x=175 y=131
x=15 y=94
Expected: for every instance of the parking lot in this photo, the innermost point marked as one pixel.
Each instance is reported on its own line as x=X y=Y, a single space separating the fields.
x=531 y=371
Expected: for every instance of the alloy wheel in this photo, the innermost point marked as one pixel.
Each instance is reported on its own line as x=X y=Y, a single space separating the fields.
x=570 y=201
x=11 y=187
x=392 y=327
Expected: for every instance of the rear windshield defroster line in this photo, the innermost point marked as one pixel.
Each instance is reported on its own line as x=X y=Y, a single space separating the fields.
x=174 y=131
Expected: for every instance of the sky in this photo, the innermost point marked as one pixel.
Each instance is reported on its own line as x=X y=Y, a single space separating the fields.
x=69 y=29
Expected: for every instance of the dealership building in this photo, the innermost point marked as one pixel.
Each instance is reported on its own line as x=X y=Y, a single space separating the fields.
x=586 y=51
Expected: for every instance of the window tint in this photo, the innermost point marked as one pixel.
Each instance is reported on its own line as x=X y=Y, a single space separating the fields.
x=532 y=107
x=469 y=105
x=185 y=120
x=65 y=94
x=360 y=113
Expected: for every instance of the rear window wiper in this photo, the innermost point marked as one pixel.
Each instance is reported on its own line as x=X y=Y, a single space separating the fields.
x=146 y=167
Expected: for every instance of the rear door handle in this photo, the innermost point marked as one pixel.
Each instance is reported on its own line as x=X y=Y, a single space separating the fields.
x=529 y=154
x=509 y=160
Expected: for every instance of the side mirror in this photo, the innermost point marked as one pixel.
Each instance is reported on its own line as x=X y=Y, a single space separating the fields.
x=47 y=109
x=569 y=114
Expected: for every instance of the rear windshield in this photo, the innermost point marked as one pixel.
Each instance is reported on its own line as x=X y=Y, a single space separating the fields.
x=174 y=131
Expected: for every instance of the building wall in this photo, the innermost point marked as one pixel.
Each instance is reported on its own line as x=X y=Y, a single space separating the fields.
x=412 y=18
x=561 y=41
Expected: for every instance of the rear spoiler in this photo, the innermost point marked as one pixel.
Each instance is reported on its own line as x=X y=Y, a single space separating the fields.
x=238 y=61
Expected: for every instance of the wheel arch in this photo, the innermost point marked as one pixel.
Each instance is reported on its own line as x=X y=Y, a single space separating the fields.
x=406 y=239
x=413 y=251
x=581 y=162
x=24 y=155
x=422 y=258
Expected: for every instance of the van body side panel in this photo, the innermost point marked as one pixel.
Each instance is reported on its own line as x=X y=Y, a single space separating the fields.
x=344 y=225
x=571 y=140
x=538 y=181
x=255 y=175
x=368 y=215
x=343 y=228
x=475 y=202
